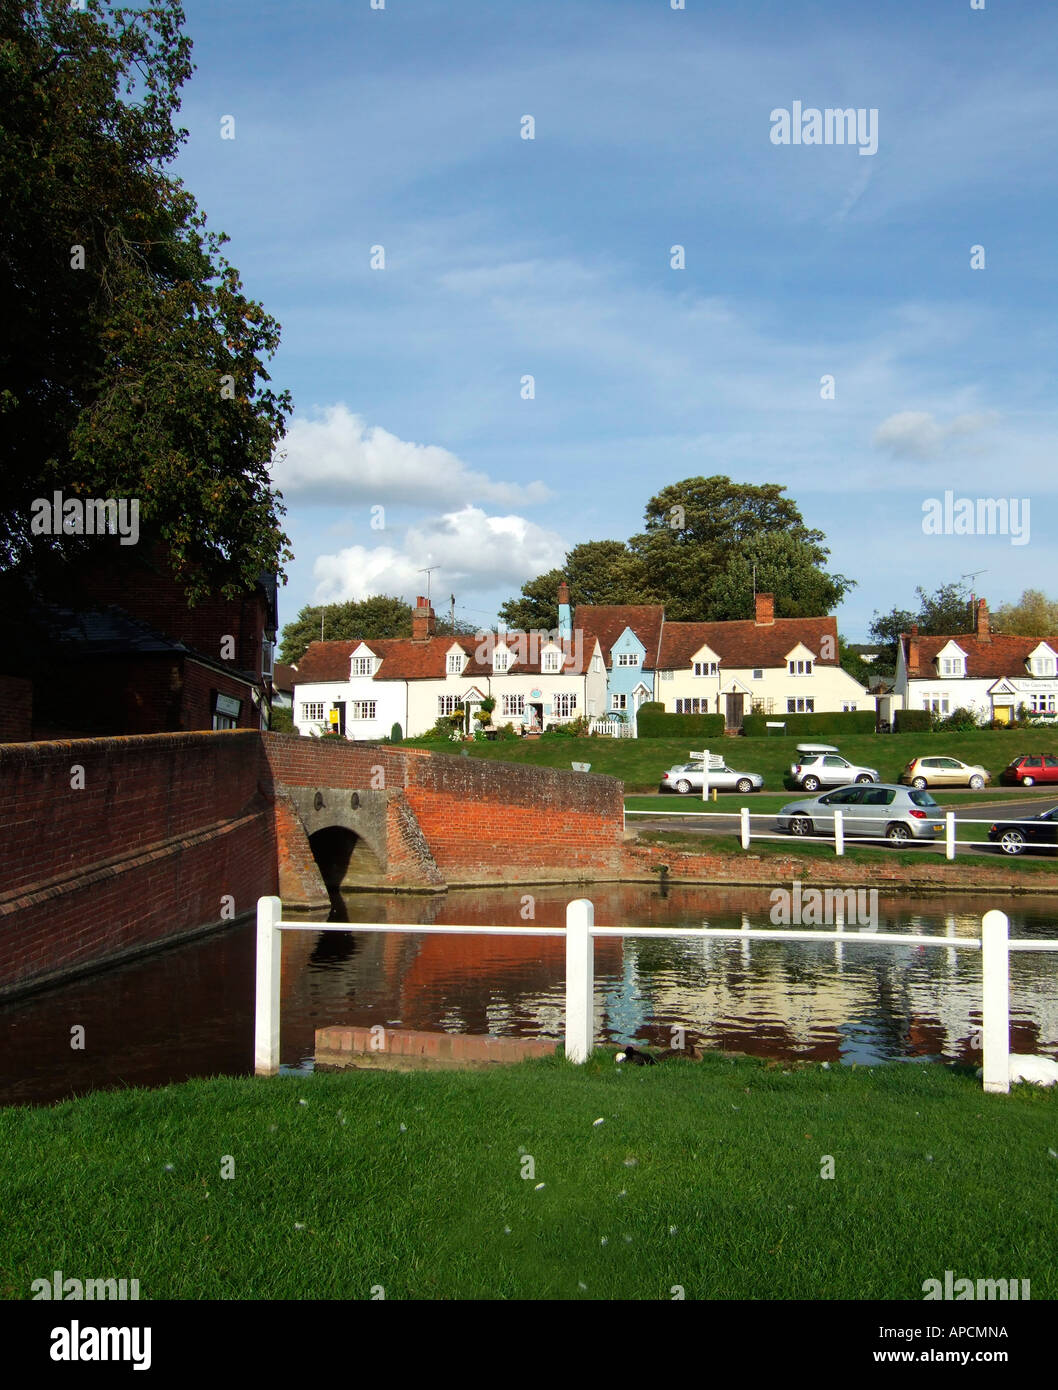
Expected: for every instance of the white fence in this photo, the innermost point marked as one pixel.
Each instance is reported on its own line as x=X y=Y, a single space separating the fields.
x=832 y=826
x=580 y=932
x=613 y=728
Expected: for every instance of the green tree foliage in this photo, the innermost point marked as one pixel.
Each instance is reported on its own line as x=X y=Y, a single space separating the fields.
x=1034 y=615
x=596 y=572
x=133 y=369
x=703 y=536
x=380 y=616
x=946 y=610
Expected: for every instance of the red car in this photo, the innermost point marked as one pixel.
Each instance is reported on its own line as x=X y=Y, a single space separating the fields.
x=1028 y=769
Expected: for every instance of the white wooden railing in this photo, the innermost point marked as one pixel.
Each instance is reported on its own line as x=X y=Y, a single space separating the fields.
x=613 y=728
x=580 y=932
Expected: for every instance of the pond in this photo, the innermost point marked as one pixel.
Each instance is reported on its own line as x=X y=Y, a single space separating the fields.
x=188 y=1011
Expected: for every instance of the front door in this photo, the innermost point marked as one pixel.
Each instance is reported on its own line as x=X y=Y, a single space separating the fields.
x=339 y=727
x=733 y=717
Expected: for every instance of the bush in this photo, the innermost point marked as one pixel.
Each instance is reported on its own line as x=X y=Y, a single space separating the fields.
x=913 y=721
x=835 y=722
x=396 y=734
x=575 y=728
x=281 y=720
x=653 y=722
x=958 y=721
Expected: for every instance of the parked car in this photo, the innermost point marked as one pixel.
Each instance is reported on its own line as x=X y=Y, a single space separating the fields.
x=883 y=810
x=1014 y=837
x=1029 y=768
x=821 y=765
x=944 y=772
x=688 y=777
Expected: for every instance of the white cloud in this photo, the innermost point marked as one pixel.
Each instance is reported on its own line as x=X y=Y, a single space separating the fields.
x=473 y=552
x=918 y=434
x=338 y=458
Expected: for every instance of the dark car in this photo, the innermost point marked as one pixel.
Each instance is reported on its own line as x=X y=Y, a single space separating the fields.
x=1014 y=837
x=1029 y=768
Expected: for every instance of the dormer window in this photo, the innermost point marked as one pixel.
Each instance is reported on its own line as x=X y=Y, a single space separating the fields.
x=952 y=666
x=551 y=661
x=799 y=668
x=1041 y=661
x=706 y=668
x=627 y=659
x=363 y=666
x=501 y=660
x=455 y=663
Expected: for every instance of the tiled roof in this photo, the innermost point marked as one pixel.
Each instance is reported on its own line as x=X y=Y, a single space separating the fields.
x=284 y=676
x=1002 y=656
x=404 y=658
x=608 y=621
x=743 y=644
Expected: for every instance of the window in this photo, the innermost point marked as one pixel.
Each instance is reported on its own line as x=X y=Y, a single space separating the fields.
x=596 y=663
x=620 y=702
x=951 y=666
x=800 y=706
x=551 y=661
x=667 y=675
x=937 y=703
x=268 y=651
x=627 y=659
x=363 y=666
x=692 y=706
x=563 y=705
x=705 y=668
x=1042 y=704
x=500 y=661
x=447 y=704
x=758 y=674
x=312 y=713
x=455 y=663
x=514 y=704
x=1043 y=665
x=362 y=709
x=848 y=707
x=800 y=668
x=224 y=721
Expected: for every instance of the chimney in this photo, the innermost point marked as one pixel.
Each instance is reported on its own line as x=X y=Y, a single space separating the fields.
x=982 y=625
x=422 y=620
x=565 y=620
x=765 y=614
x=912 y=651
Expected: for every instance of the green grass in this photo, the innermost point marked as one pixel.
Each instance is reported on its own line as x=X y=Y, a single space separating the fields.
x=705 y=1176
x=639 y=763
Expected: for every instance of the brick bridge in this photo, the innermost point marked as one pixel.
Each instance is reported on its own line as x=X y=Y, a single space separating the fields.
x=110 y=847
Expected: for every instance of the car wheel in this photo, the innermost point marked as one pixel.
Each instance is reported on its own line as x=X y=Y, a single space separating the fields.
x=745 y=785
x=865 y=777
x=977 y=783
x=811 y=784
x=1027 y=781
x=683 y=786
x=897 y=832
x=800 y=825
x=920 y=783
x=1012 y=841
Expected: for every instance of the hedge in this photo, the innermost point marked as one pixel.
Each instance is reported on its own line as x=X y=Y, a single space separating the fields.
x=914 y=721
x=653 y=722
x=860 y=721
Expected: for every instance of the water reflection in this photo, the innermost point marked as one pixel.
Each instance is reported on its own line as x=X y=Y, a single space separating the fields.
x=189 y=1011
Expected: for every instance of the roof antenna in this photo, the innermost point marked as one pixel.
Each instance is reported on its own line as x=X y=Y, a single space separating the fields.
x=428 y=571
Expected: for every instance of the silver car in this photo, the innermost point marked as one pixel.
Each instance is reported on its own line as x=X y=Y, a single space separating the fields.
x=815 y=770
x=878 y=810
x=688 y=777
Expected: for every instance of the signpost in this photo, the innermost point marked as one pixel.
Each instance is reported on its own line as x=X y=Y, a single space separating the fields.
x=709 y=761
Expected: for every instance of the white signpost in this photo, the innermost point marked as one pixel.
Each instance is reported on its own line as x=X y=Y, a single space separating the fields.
x=709 y=761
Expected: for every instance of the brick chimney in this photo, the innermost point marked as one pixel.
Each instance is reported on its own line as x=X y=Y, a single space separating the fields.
x=563 y=592
x=422 y=620
x=912 y=651
x=765 y=614
x=982 y=625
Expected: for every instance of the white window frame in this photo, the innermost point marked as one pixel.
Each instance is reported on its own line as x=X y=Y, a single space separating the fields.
x=363 y=666
x=799 y=668
x=953 y=666
x=800 y=704
x=627 y=659
x=551 y=662
x=362 y=709
x=454 y=666
x=312 y=712
x=619 y=701
x=564 y=704
x=514 y=706
x=446 y=705
x=758 y=673
x=706 y=668
x=501 y=662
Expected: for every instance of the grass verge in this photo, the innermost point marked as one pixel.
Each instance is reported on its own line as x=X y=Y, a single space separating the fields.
x=702 y=1175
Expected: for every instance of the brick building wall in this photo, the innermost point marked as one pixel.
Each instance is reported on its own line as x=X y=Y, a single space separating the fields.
x=16 y=709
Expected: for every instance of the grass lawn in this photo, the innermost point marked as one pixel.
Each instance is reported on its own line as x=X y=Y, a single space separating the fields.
x=639 y=763
x=703 y=1175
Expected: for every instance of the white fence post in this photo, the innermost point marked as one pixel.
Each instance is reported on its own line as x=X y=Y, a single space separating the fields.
x=744 y=813
x=995 y=1000
x=580 y=979
x=839 y=832
x=266 y=1009
x=949 y=835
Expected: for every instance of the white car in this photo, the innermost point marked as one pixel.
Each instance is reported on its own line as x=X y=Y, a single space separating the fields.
x=821 y=765
x=690 y=777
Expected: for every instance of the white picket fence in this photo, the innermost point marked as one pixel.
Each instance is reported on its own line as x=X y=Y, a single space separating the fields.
x=580 y=932
x=612 y=728
x=834 y=823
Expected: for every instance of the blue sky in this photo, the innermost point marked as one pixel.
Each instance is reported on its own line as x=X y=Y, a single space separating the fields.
x=550 y=257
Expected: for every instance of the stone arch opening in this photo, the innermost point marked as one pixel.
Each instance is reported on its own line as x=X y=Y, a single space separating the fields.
x=344 y=858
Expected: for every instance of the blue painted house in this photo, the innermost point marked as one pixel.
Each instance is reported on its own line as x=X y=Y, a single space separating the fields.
x=630 y=638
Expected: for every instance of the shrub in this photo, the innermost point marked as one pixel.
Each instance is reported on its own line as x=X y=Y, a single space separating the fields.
x=396 y=734
x=281 y=720
x=958 y=721
x=653 y=722
x=836 y=722
x=913 y=721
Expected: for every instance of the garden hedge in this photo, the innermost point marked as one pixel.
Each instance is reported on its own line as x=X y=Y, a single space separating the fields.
x=860 y=721
x=653 y=722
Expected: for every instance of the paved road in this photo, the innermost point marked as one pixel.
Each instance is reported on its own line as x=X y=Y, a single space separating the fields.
x=728 y=822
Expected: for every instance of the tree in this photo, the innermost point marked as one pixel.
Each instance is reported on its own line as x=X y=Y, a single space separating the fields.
x=605 y=572
x=1034 y=615
x=130 y=359
x=785 y=567
x=945 y=611
x=381 y=616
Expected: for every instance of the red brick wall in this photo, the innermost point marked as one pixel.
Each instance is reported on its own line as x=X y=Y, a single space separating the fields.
x=165 y=827
x=16 y=710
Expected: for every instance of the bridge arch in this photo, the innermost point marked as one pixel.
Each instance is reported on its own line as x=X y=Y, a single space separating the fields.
x=345 y=858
